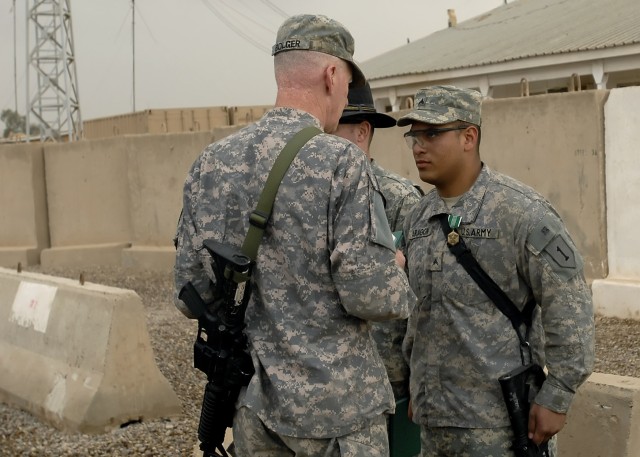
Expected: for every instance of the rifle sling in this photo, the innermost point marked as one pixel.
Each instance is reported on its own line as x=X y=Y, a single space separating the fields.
x=260 y=216
x=489 y=287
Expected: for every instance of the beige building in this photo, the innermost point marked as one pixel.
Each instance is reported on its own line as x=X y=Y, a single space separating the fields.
x=525 y=47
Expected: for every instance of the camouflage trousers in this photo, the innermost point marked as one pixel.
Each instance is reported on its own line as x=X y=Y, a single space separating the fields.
x=252 y=438
x=469 y=442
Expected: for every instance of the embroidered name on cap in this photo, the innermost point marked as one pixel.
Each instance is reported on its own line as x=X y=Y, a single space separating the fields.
x=289 y=44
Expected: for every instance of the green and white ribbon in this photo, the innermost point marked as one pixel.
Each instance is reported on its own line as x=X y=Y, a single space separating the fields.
x=454 y=221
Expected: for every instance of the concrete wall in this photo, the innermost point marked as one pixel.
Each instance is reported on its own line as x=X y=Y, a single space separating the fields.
x=554 y=143
x=604 y=419
x=88 y=200
x=78 y=356
x=115 y=201
x=24 y=226
x=157 y=168
x=617 y=294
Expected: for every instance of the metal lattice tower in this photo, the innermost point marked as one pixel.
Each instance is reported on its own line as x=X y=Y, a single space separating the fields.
x=54 y=102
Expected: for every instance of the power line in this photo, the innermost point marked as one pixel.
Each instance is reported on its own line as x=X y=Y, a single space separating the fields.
x=248 y=18
x=235 y=28
x=146 y=25
x=276 y=9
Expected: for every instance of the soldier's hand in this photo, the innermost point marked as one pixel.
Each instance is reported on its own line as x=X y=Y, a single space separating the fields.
x=400 y=260
x=544 y=423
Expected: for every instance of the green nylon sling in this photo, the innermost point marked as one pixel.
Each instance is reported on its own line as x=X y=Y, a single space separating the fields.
x=260 y=216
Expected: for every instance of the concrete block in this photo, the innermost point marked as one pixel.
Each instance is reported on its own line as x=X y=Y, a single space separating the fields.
x=618 y=294
x=617 y=298
x=24 y=227
x=604 y=419
x=83 y=255
x=14 y=255
x=152 y=258
x=78 y=356
x=87 y=192
x=157 y=166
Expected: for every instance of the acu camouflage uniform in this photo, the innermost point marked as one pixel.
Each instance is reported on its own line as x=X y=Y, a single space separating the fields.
x=400 y=195
x=458 y=341
x=326 y=266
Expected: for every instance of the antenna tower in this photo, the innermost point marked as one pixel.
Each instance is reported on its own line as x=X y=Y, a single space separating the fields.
x=54 y=101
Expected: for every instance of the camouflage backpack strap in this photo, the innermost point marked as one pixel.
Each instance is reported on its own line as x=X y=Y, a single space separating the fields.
x=259 y=217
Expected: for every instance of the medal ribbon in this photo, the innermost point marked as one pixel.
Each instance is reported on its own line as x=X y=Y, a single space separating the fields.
x=454 y=221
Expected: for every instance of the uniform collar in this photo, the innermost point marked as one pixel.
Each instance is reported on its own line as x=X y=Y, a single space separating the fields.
x=291 y=115
x=469 y=204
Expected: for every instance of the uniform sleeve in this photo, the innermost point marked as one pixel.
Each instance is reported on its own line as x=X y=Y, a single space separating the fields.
x=188 y=264
x=403 y=207
x=370 y=284
x=555 y=269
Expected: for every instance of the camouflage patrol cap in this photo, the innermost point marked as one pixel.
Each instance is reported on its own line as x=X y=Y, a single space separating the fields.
x=443 y=104
x=310 y=32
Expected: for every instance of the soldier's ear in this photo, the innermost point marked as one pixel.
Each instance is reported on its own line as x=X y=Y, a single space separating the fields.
x=330 y=78
x=470 y=135
x=364 y=128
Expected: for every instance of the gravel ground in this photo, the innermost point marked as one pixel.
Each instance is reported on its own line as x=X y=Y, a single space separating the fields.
x=172 y=336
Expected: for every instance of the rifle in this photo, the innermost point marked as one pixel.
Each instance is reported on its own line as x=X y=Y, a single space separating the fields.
x=223 y=355
x=221 y=348
x=519 y=388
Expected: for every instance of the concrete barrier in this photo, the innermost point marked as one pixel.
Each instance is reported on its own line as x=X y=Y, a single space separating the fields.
x=78 y=356
x=157 y=168
x=554 y=143
x=88 y=202
x=604 y=419
x=116 y=201
x=24 y=226
x=618 y=295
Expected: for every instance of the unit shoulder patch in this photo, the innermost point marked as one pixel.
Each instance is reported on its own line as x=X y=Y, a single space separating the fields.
x=560 y=251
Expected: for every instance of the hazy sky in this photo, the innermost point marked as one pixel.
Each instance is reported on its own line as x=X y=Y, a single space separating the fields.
x=191 y=53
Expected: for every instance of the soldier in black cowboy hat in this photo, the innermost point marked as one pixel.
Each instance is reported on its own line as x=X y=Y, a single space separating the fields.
x=357 y=124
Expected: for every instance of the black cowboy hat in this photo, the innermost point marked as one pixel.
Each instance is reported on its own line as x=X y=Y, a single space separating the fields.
x=361 y=108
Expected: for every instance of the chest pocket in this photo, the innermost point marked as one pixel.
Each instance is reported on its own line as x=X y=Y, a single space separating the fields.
x=497 y=262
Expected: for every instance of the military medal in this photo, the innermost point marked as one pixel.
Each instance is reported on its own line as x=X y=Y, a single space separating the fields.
x=454 y=222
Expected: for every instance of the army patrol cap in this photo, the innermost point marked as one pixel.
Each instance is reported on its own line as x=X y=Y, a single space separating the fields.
x=443 y=104
x=310 y=32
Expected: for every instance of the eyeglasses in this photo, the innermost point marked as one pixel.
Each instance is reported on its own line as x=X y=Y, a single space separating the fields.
x=421 y=137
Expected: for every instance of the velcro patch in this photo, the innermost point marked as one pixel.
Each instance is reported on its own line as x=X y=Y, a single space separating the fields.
x=543 y=233
x=436 y=262
x=560 y=251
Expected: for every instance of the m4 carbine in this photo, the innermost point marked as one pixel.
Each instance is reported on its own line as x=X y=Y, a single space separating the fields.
x=519 y=387
x=221 y=348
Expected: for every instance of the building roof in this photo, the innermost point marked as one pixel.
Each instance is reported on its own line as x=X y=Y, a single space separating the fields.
x=515 y=31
